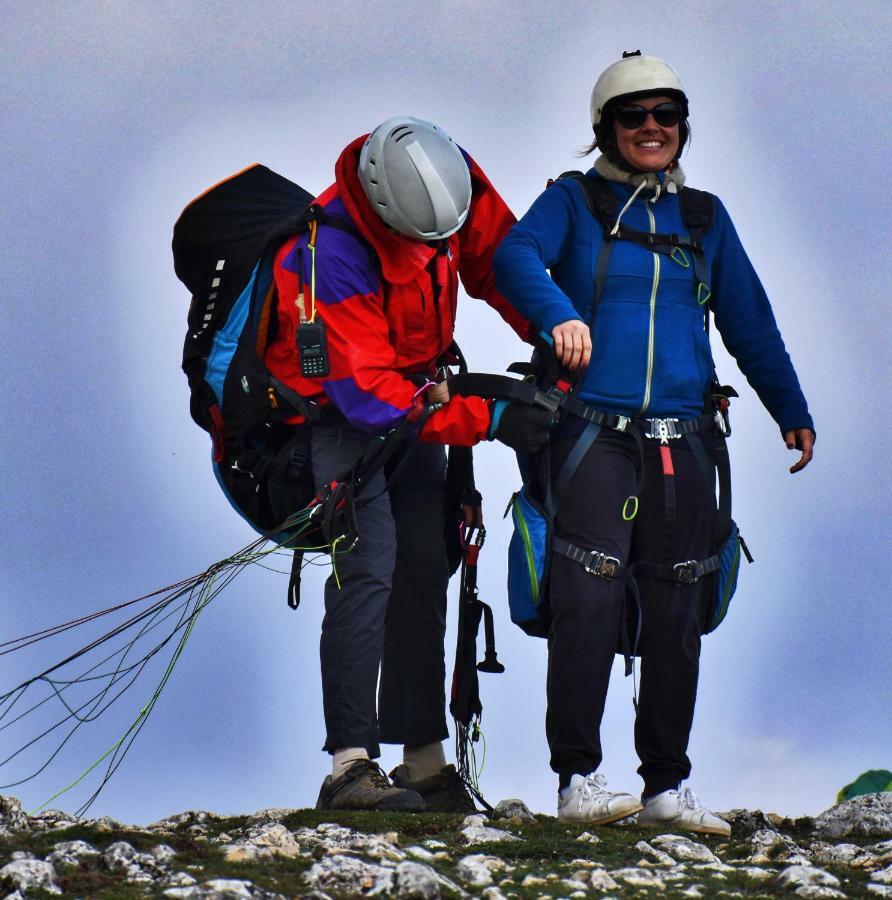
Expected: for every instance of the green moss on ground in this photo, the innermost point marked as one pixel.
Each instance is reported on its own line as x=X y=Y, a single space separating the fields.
x=548 y=847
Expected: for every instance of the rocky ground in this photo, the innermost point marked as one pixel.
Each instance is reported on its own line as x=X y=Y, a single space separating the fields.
x=844 y=852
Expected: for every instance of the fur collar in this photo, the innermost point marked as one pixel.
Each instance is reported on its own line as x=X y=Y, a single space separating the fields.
x=669 y=181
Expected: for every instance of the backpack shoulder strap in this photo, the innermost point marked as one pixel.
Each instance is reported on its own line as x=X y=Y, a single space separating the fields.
x=697 y=211
x=599 y=199
x=602 y=204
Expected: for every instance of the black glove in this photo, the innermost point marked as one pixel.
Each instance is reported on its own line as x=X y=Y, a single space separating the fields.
x=524 y=428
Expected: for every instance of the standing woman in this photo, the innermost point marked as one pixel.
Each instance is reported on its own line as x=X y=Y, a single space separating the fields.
x=628 y=311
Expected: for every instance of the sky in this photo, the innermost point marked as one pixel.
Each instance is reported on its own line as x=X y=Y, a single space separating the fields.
x=116 y=114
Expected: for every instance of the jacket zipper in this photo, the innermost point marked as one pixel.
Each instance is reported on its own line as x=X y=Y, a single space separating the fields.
x=653 y=306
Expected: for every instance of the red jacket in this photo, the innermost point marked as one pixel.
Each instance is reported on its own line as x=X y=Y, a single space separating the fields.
x=388 y=304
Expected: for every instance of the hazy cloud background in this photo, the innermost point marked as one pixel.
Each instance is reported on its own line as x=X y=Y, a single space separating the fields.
x=116 y=114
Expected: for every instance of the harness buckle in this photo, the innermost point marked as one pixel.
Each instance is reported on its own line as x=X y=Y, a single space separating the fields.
x=663 y=429
x=603 y=565
x=686 y=572
x=622 y=423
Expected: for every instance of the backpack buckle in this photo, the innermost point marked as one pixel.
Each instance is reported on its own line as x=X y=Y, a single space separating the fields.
x=663 y=429
x=686 y=572
x=603 y=565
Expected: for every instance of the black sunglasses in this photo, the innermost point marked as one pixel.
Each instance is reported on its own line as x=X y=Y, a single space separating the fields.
x=665 y=114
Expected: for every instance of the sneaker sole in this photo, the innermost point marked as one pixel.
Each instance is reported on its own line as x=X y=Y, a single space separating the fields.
x=701 y=829
x=605 y=820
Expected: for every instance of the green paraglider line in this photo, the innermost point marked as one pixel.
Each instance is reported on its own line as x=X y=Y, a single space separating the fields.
x=207 y=592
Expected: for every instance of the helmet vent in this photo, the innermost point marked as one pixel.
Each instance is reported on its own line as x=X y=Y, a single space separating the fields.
x=398 y=138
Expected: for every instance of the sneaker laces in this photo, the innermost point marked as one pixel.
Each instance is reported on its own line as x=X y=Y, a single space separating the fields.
x=690 y=800
x=593 y=785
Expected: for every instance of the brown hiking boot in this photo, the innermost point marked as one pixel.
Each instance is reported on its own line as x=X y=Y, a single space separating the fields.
x=365 y=786
x=444 y=792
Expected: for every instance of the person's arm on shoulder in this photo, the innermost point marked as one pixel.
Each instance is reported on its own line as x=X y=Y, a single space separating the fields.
x=532 y=247
x=746 y=322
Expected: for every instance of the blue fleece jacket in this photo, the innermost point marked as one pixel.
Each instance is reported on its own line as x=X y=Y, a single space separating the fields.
x=651 y=354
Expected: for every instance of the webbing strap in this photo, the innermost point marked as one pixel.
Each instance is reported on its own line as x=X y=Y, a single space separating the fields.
x=681 y=573
x=596 y=562
x=568 y=470
x=668 y=501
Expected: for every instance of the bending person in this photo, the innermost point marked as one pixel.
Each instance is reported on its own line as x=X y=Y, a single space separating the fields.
x=650 y=373
x=419 y=215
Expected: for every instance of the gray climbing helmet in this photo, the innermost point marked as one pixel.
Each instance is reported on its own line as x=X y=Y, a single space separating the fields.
x=416 y=178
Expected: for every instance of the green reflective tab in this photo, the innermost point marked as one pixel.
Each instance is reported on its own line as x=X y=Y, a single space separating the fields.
x=633 y=502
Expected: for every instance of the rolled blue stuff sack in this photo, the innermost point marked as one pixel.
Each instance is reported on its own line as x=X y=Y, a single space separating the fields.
x=528 y=555
x=726 y=577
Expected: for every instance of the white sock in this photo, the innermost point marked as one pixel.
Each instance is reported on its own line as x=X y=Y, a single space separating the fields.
x=424 y=761
x=344 y=757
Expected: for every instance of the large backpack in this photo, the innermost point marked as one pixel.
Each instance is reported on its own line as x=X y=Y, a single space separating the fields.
x=224 y=245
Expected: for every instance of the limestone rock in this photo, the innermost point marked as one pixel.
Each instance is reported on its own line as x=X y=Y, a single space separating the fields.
x=867 y=816
x=274 y=836
x=809 y=881
x=660 y=857
x=272 y=814
x=479 y=870
x=513 y=809
x=602 y=881
x=879 y=890
x=53 y=820
x=475 y=832
x=185 y=819
x=12 y=816
x=588 y=838
x=635 y=877
x=839 y=854
x=107 y=824
x=684 y=849
x=70 y=853
x=493 y=893
x=884 y=876
x=415 y=881
x=30 y=874
x=139 y=868
x=745 y=822
x=348 y=875
x=770 y=846
x=880 y=853
x=221 y=889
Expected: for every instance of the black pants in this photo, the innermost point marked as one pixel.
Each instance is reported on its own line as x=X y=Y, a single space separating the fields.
x=587 y=610
x=389 y=613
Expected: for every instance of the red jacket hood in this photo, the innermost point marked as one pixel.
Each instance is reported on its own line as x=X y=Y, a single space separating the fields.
x=402 y=259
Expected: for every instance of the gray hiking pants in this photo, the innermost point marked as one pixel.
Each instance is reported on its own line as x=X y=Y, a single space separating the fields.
x=389 y=614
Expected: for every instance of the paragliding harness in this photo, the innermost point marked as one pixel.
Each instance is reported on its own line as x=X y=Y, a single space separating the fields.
x=224 y=246
x=546 y=385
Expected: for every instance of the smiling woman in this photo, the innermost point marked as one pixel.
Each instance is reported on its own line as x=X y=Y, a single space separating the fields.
x=641 y=552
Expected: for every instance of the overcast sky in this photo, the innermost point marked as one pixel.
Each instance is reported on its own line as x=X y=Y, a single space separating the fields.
x=116 y=114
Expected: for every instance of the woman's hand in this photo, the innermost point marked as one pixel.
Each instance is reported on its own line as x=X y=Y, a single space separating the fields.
x=572 y=343
x=800 y=439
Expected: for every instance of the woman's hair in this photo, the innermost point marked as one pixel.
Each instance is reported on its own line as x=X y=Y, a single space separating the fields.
x=605 y=135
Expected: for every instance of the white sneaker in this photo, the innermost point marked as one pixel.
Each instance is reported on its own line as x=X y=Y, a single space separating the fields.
x=682 y=809
x=586 y=799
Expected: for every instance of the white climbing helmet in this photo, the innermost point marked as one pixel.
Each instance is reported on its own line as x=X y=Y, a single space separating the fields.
x=635 y=74
x=416 y=178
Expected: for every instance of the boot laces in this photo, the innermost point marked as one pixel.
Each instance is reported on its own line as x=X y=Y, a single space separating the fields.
x=373 y=773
